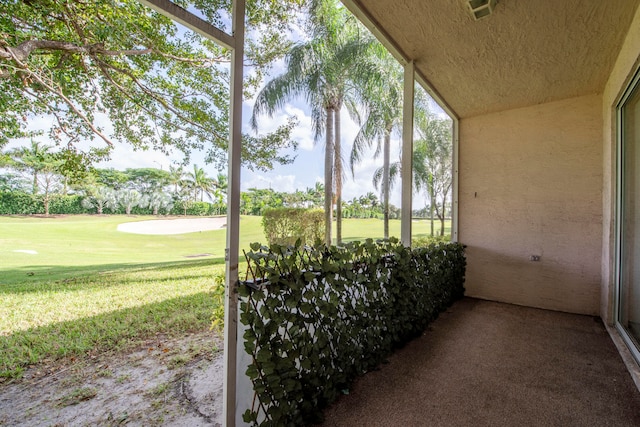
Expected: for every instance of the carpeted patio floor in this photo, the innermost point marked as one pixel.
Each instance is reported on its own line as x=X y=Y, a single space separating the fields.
x=490 y=364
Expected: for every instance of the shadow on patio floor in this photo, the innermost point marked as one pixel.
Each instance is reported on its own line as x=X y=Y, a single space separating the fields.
x=490 y=364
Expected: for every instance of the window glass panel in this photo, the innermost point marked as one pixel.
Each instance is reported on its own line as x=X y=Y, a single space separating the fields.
x=629 y=309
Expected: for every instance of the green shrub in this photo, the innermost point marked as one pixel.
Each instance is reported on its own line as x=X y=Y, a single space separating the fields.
x=420 y=242
x=18 y=203
x=67 y=204
x=191 y=208
x=139 y=210
x=317 y=318
x=284 y=226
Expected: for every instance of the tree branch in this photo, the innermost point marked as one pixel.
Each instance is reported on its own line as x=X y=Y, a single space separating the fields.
x=57 y=91
x=22 y=51
x=159 y=99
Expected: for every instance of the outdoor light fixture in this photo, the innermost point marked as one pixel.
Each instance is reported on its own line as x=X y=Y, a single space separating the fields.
x=481 y=8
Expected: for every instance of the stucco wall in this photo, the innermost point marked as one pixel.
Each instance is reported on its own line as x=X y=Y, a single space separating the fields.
x=627 y=62
x=531 y=184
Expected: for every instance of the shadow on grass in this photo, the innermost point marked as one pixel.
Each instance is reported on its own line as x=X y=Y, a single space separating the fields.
x=38 y=278
x=118 y=330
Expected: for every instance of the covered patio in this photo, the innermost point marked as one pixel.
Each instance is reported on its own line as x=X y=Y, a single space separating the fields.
x=495 y=364
x=537 y=92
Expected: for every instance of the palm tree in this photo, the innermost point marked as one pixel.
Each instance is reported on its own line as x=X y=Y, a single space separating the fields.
x=100 y=197
x=432 y=154
x=222 y=184
x=220 y=193
x=321 y=69
x=42 y=165
x=128 y=199
x=381 y=90
x=31 y=160
x=157 y=200
x=176 y=177
x=201 y=182
x=432 y=162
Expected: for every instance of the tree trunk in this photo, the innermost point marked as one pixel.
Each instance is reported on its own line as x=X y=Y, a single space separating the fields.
x=338 y=175
x=328 y=177
x=385 y=181
x=444 y=212
x=35 y=182
x=431 y=205
x=46 y=198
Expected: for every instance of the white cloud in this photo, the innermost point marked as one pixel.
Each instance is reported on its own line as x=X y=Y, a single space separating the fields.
x=302 y=133
x=124 y=156
x=280 y=183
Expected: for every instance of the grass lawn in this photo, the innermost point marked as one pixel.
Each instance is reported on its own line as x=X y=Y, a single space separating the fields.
x=74 y=245
x=89 y=288
x=107 y=312
x=361 y=229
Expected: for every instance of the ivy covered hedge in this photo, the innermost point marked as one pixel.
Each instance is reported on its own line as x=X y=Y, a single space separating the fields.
x=319 y=317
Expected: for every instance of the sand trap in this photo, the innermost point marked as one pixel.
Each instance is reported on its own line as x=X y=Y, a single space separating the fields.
x=173 y=226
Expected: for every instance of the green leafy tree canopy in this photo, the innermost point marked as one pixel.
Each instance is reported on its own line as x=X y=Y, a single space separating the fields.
x=115 y=71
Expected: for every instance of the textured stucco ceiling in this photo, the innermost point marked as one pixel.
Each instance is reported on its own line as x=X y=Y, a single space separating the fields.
x=527 y=52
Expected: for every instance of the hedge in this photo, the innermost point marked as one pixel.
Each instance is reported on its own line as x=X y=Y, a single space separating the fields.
x=18 y=203
x=318 y=318
x=284 y=226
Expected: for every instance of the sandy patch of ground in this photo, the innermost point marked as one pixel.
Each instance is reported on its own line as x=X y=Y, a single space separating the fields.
x=173 y=226
x=174 y=382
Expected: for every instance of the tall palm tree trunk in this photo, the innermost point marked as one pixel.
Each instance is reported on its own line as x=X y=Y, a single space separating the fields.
x=328 y=177
x=338 y=175
x=386 y=180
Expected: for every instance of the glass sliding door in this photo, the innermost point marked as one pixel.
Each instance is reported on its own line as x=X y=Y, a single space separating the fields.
x=628 y=308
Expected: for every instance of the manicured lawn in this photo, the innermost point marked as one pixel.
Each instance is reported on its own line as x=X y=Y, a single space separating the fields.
x=360 y=229
x=90 y=288
x=75 y=245
x=104 y=312
x=78 y=286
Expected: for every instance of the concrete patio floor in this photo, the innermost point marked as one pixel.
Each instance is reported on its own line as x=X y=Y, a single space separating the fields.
x=484 y=363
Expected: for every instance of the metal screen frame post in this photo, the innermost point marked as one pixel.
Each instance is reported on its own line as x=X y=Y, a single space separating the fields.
x=233 y=218
x=407 y=153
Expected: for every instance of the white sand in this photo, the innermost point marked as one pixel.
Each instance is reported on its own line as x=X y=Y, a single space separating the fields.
x=173 y=226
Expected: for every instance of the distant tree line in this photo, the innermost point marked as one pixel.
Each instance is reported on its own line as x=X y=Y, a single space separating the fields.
x=34 y=180
x=256 y=201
